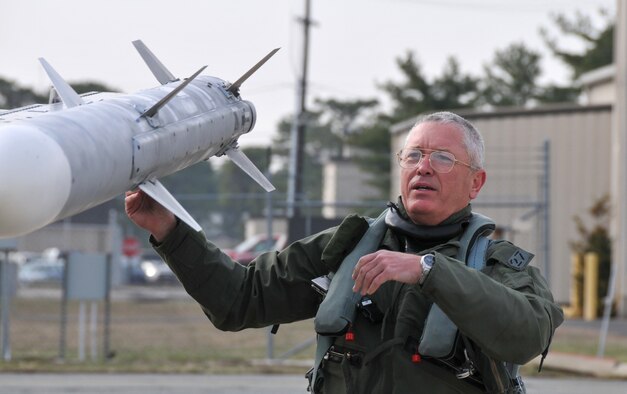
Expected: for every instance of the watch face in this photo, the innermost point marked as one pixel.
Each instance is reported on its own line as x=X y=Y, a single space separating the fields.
x=428 y=259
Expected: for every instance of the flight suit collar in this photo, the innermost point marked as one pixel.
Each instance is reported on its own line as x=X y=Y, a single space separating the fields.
x=425 y=236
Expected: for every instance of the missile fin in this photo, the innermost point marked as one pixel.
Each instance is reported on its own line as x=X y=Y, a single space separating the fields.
x=160 y=72
x=234 y=88
x=68 y=95
x=242 y=161
x=152 y=111
x=159 y=193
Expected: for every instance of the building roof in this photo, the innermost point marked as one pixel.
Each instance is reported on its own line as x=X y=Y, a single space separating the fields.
x=597 y=76
x=471 y=114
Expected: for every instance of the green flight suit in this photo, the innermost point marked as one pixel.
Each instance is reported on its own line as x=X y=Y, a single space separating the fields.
x=506 y=313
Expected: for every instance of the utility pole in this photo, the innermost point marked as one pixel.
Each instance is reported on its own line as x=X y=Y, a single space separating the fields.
x=619 y=160
x=299 y=125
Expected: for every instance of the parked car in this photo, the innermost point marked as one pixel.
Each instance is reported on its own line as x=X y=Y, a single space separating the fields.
x=152 y=270
x=41 y=270
x=252 y=247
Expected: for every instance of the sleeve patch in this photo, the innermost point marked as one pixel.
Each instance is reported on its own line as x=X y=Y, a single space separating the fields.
x=519 y=259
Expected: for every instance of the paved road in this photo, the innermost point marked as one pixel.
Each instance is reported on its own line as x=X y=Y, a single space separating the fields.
x=235 y=384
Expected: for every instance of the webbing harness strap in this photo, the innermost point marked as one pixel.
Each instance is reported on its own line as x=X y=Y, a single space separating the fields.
x=438 y=336
x=337 y=310
x=323 y=345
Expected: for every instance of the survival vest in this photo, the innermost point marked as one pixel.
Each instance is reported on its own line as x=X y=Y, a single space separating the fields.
x=440 y=336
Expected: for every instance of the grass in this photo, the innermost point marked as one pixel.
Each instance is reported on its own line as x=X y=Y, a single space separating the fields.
x=580 y=341
x=174 y=336
x=169 y=336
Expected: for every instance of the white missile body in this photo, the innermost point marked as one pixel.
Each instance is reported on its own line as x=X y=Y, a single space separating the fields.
x=61 y=158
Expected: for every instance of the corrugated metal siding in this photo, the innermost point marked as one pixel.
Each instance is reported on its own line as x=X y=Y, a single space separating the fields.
x=580 y=143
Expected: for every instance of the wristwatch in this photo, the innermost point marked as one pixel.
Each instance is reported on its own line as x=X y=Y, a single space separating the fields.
x=427 y=262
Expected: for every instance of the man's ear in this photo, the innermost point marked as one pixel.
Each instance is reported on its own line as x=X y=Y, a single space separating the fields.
x=478 y=180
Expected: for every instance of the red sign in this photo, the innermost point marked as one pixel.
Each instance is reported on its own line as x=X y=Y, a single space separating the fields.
x=131 y=246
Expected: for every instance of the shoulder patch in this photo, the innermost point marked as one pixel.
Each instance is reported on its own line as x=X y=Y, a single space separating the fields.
x=504 y=252
x=519 y=259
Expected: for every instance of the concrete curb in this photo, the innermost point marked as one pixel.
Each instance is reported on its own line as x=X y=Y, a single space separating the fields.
x=604 y=367
x=264 y=362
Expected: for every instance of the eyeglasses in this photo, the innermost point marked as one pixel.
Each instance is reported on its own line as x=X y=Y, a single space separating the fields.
x=440 y=161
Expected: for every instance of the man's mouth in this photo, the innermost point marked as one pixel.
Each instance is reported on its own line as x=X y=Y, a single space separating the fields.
x=423 y=187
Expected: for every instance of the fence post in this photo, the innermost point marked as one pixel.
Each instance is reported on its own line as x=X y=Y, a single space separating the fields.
x=575 y=308
x=590 y=286
x=546 y=215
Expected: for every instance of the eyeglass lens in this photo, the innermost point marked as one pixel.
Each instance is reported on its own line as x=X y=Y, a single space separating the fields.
x=439 y=161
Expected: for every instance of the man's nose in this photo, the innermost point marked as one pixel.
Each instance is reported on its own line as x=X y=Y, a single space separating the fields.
x=424 y=165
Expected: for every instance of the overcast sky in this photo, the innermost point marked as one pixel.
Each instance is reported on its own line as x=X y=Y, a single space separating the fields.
x=353 y=45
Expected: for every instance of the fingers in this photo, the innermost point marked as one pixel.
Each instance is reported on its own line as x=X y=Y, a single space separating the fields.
x=136 y=201
x=139 y=206
x=374 y=269
x=374 y=278
x=358 y=273
x=369 y=273
x=133 y=201
x=149 y=214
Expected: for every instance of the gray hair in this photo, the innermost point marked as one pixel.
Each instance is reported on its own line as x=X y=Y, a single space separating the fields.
x=473 y=140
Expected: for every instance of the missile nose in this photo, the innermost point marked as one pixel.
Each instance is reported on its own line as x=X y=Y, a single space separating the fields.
x=35 y=180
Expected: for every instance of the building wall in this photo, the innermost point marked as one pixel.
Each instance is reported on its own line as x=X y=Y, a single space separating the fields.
x=601 y=94
x=579 y=174
x=343 y=183
x=598 y=85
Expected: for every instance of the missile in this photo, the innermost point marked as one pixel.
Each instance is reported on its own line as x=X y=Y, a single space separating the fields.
x=78 y=151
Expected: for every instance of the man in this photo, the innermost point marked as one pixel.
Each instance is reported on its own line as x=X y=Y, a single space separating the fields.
x=500 y=315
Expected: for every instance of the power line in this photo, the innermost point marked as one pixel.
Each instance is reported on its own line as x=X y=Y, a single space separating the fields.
x=539 y=6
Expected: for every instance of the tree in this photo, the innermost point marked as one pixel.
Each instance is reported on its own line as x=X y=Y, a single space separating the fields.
x=239 y=194
x=375 y=140
x=512 y=78
x=91 y=86
x=598 y=42
x=196 y=188
x=345 y=118
x=319 y=145
x=320 y=142
x=14 y=96
x=411 y=96
x=558 y=94
x=453 y=89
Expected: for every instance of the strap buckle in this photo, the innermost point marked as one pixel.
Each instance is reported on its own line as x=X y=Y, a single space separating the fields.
x=467 y=369
x=337 y=354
